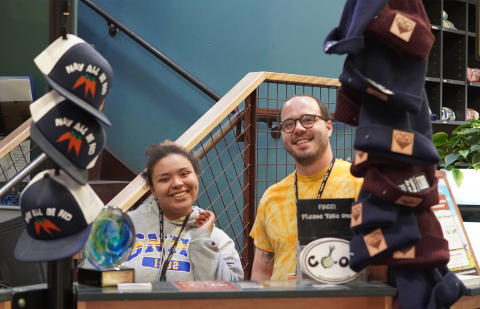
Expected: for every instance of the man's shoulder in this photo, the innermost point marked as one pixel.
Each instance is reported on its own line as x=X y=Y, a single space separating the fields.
x=282 y=185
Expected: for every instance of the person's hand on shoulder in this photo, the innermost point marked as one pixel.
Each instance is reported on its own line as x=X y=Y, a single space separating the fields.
x=205 y=220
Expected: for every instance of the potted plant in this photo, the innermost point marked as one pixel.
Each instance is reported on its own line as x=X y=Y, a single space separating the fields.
x=462 y=150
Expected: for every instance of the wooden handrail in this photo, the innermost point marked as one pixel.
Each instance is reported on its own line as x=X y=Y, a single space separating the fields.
x=137 y=188
x=14 y=139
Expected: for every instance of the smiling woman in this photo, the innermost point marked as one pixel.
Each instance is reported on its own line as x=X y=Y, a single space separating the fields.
x=176 y=241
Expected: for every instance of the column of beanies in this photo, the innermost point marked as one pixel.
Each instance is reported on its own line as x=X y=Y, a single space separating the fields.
x=382 y=93
x=58 y=206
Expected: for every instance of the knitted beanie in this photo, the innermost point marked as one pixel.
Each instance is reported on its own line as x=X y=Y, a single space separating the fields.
x=369 y=247
x=348 y=37
x=370 y=212
x=396 y=81
x=397 y=135
x=347 y=109
x=403 y=26
x=432 y=251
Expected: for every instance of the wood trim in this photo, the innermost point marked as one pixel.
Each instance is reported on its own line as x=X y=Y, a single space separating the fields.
x=6 y=305
x=14 y=139
x=301 y=79
x=384 y=302
x=137 y=188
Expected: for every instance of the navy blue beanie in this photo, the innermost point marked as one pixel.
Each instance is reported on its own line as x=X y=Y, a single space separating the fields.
x=370 y=212
x=369 y=247
x=429 y=288
x=348 y=37
x=397 y=135
x=396 y=81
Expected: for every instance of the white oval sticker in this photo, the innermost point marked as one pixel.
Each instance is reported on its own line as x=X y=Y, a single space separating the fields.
x=327 y=260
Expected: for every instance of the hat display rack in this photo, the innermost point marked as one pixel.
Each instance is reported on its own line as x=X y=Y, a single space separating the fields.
x=58 y=206
x=383 y=95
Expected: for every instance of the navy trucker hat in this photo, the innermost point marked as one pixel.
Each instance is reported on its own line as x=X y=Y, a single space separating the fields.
x=69 y=135
x=58 y=213
x=77 y=71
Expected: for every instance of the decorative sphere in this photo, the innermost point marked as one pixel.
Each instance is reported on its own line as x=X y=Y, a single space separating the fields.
x=111 y=240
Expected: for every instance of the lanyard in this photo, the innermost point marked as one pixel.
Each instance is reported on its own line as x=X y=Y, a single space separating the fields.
x=322 y=187
x=164 y=263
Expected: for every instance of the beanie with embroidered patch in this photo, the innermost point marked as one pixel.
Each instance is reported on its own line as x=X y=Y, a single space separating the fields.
x=370 y=212
x=403 y=26
x=397 y=82
x=369 y=247
x=347 y=109
x=401 y=136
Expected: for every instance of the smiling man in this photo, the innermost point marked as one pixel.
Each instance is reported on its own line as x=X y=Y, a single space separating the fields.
x=306 y=127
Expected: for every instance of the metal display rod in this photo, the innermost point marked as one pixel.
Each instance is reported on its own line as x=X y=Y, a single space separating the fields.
x=60 y=284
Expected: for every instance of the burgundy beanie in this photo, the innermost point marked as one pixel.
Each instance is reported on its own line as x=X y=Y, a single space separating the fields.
x=347 y=108
x=362 y=162
x=383 y=183
x=431 y=252
x=403 y=26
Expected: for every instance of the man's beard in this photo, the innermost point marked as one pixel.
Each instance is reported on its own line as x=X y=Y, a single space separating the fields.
x=308 y=159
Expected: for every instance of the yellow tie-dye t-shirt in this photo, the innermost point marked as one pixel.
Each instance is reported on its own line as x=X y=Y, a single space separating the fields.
x=275 y=228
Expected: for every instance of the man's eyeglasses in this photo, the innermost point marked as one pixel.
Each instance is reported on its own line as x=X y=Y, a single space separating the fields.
x=307 y=121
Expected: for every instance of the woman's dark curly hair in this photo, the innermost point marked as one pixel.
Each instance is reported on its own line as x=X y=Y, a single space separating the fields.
x=156 y=152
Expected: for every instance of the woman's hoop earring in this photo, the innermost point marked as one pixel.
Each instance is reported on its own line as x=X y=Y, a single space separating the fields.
x=156 y=199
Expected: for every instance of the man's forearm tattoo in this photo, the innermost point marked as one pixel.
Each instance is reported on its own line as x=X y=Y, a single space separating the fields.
x=268 y=257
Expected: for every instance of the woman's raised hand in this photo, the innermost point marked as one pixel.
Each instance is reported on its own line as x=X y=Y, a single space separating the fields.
x=205 y=220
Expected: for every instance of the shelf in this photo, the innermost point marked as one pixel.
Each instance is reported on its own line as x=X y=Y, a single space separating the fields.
x=473 y=84
x=455 y=122
x=453 y=82
x=432 y=79
x=462 y=32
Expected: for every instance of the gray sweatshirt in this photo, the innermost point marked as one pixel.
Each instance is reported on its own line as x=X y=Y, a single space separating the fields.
x=200 y=254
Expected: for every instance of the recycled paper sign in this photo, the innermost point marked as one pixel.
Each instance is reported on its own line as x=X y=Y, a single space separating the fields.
x=462 y=259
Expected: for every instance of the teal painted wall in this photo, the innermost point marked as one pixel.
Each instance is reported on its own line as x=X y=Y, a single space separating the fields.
x=23 y=35
x=218 y=41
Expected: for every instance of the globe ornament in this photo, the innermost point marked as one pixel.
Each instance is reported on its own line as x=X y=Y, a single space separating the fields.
x=111 y=240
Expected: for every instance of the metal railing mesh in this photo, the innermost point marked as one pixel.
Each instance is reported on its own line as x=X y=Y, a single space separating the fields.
x=273 y=162
x=12 y=163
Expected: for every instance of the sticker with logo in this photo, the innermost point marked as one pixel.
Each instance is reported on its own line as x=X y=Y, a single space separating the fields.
x=89 y=78
x=327 y=260
x=408 y=201
x=407 y=253
x=402 y=27
x=375 y=242
x=360 y=157
x=357 y=219
x=75 y=136
x=402 y=142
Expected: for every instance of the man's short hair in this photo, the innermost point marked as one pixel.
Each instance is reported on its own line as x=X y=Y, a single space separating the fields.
x=323 y=107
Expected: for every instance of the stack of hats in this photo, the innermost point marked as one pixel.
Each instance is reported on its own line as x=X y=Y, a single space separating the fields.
x=58 y=206
x=383 y=93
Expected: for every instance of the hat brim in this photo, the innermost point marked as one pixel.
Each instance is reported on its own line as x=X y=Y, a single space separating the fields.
x=78 y=174
x=29 y=249
x=90 y=109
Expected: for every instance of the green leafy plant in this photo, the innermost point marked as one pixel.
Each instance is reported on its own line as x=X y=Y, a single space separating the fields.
x=463 y=149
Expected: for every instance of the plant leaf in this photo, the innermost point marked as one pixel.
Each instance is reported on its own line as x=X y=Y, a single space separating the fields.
x=451 y=158
x=452 y=140
x=441 y=153
x=476 y=161
x=474 y=139
x=457 y=176
x=474 y=148
x=464 y=153
x=450 y=167
x=461 y=127
x=440 y=138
